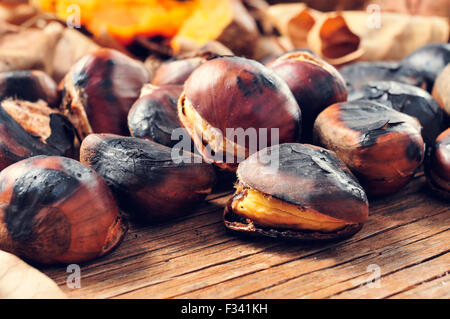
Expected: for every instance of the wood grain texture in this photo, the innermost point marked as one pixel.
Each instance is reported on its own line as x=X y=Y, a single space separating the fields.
x=407 y=237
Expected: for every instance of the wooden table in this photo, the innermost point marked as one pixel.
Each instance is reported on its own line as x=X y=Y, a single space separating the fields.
x=406 y=241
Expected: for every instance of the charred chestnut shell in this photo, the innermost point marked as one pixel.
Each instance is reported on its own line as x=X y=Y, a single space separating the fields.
x=441 y=90
x=310 y=195
x=99 y=91
x=148 y=183
x=154 y=115
x=28 y=129
x=382 y=147
x=360 y=73
x=29 y=86
x=232 y=93
x=430 y=59
x=437 y=165
x=407 y=99
x=56 y=210
x=314 y=83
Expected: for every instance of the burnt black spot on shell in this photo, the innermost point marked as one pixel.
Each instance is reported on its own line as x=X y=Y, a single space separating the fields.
x=414 y=152
x=80 y=79
x=20 y=85
x=258 y=82
x=62 y=133
x=32 y=192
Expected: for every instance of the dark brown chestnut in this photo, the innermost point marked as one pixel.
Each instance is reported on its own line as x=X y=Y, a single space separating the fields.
x=151 y=182
x=227 y=99
x=407 y=99
x=56 y=210
x=437 y=165
x=176 y=72
x=154 y=115
x=33 y=128
x=99 y=91
x=314 y=83
x=309 y=195
x=29 y=86
x=430 y=59
x=360 y=73
x=441 y=90
x=382 y=147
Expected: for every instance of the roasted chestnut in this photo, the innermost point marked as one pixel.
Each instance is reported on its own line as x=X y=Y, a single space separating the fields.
x=56 y=210
x=152 y=182
x=314 y=83
x=430 y=59
x=176 y=72
x=154 y=115
x=407 y=99
x=29 y=86
x=360 y=73
x=382 y=147
x=99 y=91
x=33 y=128
x=230 y=105
x=309 y=195
x=437 y=165
x=441 y=90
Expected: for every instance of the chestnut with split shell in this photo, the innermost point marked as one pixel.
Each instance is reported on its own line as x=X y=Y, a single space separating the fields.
x=152 y=182
x=407 y=99
x=437 y=165
x=314 y=83
x=227 y=97
x=382 y=147
x=99 y=91
x=56 y=210
x=29 y=86
x=309 y=195
x=33 y=128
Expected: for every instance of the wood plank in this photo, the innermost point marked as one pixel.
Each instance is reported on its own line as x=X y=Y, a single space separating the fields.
x=436 y=288
x=195 y=257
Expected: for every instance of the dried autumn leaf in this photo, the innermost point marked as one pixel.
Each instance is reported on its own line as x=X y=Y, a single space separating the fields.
x=19 y=280
x=294 y=21
x=341 y=37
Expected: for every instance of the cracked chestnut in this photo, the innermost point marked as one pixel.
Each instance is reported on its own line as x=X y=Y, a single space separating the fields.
x=150 y=181
x=407 y=99
x=437 y=165
x=228 y=97
x=99 y=91
x=382 y=147
x=430 y=59
x=154 y=115
x=33 y=128
x=309 y=195
x=56 y=210
x=360 y=73
x=314 y=83
x=29 y=86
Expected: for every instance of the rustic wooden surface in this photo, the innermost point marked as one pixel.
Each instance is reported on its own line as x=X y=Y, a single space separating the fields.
x=407 y=237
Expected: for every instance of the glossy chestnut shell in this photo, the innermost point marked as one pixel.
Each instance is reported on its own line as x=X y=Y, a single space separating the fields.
x=148 y=181
x=176 y=72
x=314 y=83
x=382 y=147
x=236 y=93
x=407 y=99
x=99 y=91
x=360 y=73
x=56 y=210
x=441 y=91
x=32 y=128
x=437 y=165
x=430 y=59
x=29 y=86
x=154 y=115
x=323 y=199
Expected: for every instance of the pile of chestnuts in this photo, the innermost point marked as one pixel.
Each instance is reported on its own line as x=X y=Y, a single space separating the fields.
x=307 y=144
